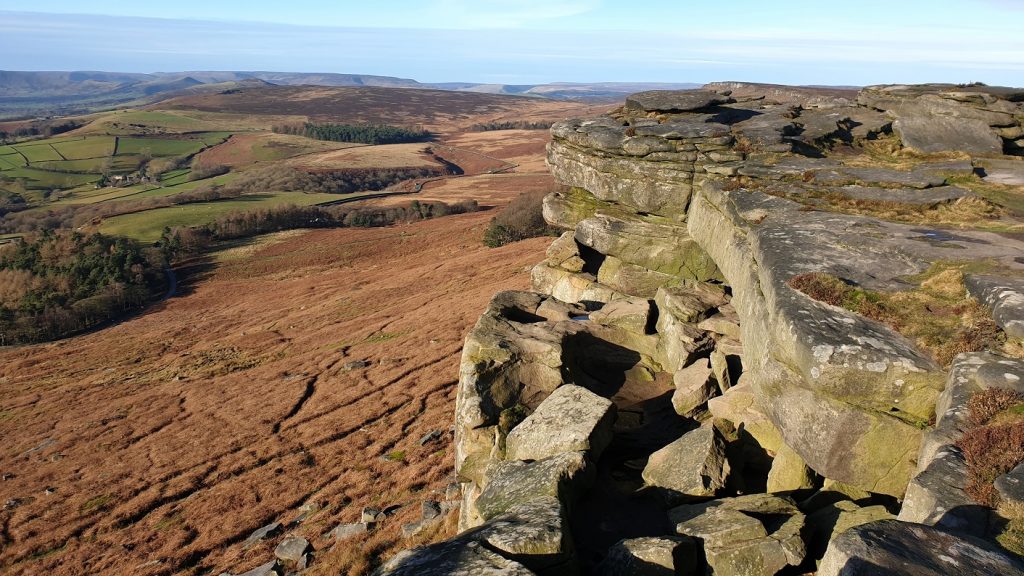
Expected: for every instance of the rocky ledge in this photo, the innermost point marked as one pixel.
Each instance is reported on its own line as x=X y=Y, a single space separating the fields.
x=759 y=345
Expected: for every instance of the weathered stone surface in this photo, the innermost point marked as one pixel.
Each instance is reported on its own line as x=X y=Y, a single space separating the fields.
x=737 y=542
x=649 y=186
x=789 y=472
x=853 y=373
x=693 y=465
x=567 y=208
x=720 y=368
x=291 y=549
x=268 y=569
x=632 y=279
x=512 y=483
x=1010 y=487
x=1005 y=296
x=632 y=315
x=680 y=342
x=650 y=556
x=674 y=100
x=692 y=303
x=652 y=242
x=535 y=533
x=571 y=286
x=832 y=520
x=571 y=419
x=740 y=406
x=936 y=496
x=694 y=387
x=565 y=253
x=1008 y=172
x=459 y=557
x=344 y=531
x=893 y=548
x=947 y=134
x=262 y=533
x=511 y=358
x=919 y=197
x=724 y=322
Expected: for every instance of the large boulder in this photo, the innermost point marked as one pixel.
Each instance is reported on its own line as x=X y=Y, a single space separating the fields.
x=535 y=533
x=650 y=556
x=511 y=483
x=947 y=134
x=656 y=243
x=674 y=100
x=789 y=472
x=571 y=419
x=694 y=465
x=756 y=535
x=1005 y=296
x=894 y=548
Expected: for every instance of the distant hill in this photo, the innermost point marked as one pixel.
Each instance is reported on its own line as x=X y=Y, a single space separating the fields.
x=31 y=94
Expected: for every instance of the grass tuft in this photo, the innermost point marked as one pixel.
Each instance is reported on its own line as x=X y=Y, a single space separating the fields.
x=939 y=316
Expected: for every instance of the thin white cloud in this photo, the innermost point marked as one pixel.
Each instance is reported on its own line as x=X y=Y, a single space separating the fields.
x=508 y=13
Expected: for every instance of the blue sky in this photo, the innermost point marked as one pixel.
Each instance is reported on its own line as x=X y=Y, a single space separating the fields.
x=531 y=41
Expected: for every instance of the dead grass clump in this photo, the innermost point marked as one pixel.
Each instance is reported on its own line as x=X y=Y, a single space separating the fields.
x=985 y=405
x=967 y=212
x=523 y=218
x=991 y=452
x=821 y=287
x=939 y=316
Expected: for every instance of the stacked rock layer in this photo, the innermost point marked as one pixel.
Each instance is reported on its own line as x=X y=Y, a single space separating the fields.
x=666 y=403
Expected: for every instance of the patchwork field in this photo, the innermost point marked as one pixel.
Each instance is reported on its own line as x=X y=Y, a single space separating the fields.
x=169 y=437
x=147 y=226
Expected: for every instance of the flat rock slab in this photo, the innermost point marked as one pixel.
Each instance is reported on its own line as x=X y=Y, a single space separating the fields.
x=930 y=133
x=650 y=556
x=571 y=419
x=914 y=196
x=894 y=548
x=674 y=100
x=1008 y=172
x=460 y=557
x=1005 y=296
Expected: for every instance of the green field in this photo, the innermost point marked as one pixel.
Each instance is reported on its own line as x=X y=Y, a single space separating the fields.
x=147 y=226
x=83 y=148
x=41 y=179
x=175 y=177
x=140 y=191
x=38 y=152
x=158 y=147
x=10 y=162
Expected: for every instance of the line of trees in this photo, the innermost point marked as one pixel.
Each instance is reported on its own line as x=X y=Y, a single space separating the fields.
x=15 y=220
x=510 y=125
x=183 y=241
x=39 y=129
x=360 y=133
x=56 y=283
